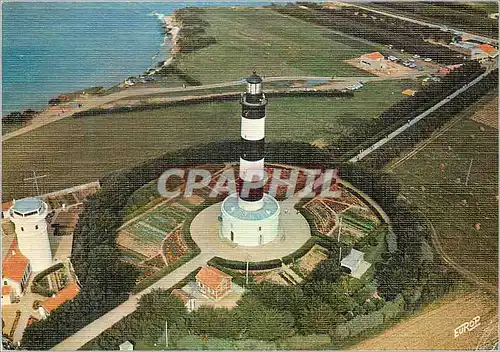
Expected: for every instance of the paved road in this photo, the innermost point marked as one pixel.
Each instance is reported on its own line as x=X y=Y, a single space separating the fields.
x=416 y=119
x=49 y=116
x=423 y=23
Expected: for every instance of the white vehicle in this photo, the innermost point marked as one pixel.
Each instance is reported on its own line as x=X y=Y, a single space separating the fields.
x=411 y=60
x=416 y=56
x=427 y=59
x=393 y=58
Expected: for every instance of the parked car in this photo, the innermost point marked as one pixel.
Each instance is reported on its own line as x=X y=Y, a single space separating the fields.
x=416 y=56
x=420 y=68
x=427 y=59
x=412 y=66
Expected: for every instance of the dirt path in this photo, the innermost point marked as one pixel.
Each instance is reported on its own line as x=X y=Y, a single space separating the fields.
x=466 y=274
x=434 y=328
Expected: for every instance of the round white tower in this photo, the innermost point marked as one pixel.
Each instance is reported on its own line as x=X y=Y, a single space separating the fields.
x=28 y=216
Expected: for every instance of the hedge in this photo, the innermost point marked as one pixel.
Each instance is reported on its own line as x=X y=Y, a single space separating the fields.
x=363 y=325
x=205 y=99
x=237 y=265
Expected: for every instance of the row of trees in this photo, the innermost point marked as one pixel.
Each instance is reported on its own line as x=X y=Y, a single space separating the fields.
x=377 y=28
x=434 y=92
x=424 y=128
x=399 y=113
x=225 y=97
x=468 y=17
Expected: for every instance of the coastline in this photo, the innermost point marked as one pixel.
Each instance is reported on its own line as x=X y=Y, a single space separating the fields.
x=80 y=102
x=172 y=35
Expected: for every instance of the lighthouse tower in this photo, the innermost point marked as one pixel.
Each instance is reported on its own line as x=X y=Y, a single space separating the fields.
x=250 y=217
x=28 y=216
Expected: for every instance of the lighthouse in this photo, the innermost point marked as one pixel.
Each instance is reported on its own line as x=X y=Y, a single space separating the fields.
x=250 y=217
x=28 y=216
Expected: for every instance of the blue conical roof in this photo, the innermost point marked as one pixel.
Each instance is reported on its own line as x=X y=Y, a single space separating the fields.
x=254 y=78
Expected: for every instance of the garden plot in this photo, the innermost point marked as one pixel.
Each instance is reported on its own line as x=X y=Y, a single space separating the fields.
x=308 y=262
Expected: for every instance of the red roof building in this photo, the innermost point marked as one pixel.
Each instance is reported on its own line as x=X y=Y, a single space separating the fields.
x=5 y=209
x=487 y=48
x=66 y=294
x=373 y=60
x=213 y=283
x=16 y=271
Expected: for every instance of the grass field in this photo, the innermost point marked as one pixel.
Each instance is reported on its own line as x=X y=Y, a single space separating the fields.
x=453 y=208
x=270 y=43
x=75 y=151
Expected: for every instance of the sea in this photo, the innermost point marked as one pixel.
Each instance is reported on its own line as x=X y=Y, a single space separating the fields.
x=50 y=48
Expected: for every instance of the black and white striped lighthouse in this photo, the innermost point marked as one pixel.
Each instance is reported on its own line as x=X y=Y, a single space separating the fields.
x=253 y=120
x=250 y=217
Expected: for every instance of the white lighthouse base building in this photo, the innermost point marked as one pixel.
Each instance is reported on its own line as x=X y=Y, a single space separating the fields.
x=250 y=228
x=28 y=216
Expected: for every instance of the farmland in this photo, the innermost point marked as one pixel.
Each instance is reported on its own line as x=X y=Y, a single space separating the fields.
x=433 y=328
x=284 y=47
x=465 y=217
x=75 y=151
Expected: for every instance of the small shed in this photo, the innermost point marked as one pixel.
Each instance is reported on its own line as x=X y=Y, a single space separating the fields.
x=126 y=346
x=356 y=263
x=353 y=260
x=188 y=300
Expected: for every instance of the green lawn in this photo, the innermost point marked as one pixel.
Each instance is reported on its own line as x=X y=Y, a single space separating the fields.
x=270 y=43
x=440 y=193
x=75 y=151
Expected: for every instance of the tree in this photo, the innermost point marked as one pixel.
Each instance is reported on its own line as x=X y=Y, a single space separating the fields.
x=320 y=319
x=328 y=270
x=216 y=322
x=270 y=324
